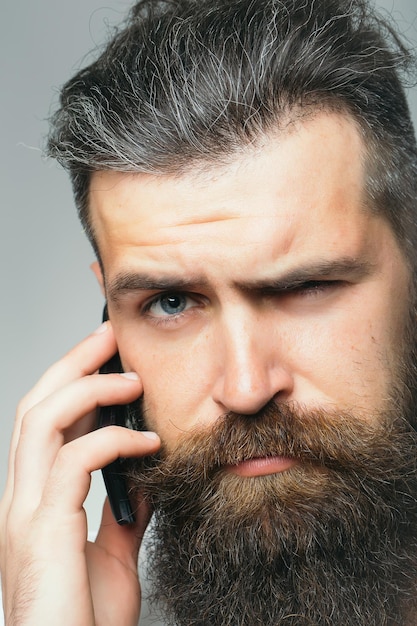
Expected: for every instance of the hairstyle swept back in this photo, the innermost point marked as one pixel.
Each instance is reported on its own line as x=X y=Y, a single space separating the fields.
x=186 y=83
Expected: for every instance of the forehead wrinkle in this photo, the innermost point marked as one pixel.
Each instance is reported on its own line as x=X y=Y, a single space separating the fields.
x=176 y=233
x=213 y=219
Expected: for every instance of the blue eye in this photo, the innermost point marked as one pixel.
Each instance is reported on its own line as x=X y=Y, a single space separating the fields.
x=173 y=304
x=169 y=304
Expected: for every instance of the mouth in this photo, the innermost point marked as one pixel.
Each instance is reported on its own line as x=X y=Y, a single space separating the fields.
x=262 y=466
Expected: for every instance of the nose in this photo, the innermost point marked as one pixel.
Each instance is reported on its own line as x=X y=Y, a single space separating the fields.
x=251 y=369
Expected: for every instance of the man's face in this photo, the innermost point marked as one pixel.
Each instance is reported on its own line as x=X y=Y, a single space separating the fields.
x=264 y=279
x=266 y=310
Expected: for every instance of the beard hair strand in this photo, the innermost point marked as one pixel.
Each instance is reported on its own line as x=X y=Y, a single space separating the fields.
x=331 y=541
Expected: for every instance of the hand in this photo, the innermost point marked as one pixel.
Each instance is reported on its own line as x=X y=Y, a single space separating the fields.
x=50 y=574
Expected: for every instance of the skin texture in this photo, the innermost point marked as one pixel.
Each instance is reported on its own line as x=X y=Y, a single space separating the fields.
x=295 y=202
x=254 y=328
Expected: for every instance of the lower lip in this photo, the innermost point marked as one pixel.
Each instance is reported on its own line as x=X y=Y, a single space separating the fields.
x=262 y=466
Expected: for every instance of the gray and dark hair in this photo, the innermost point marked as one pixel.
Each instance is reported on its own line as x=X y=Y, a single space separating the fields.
x=186 y=83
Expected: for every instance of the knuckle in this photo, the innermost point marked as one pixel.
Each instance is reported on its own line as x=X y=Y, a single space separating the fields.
x=28 y=420
x=65 y=457
x=24 y=406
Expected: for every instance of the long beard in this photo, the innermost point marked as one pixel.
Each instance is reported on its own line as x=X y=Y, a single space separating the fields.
x=331 y=541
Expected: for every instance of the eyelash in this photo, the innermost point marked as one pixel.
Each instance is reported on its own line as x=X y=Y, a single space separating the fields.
x=308 y=289
x=315 y=287
x=168 y=319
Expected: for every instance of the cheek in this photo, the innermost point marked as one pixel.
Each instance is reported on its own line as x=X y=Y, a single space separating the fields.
x=347 y=359
x=176 y=383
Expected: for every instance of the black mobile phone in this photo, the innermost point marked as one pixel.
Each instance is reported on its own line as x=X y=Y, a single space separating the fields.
x=113 y=476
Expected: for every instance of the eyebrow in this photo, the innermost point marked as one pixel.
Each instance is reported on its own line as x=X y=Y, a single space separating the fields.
x=131 y=282
x=348 y=268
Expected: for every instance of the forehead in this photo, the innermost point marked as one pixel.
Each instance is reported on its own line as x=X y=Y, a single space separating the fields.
x=298 y=191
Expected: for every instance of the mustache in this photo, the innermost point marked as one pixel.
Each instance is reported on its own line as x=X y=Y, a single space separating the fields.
x=382 y=445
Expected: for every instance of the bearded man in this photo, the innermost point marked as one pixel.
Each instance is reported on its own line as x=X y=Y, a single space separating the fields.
x=246 y=172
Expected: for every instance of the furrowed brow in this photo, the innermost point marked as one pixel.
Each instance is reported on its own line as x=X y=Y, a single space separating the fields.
x=346 y=268
x=127 y=283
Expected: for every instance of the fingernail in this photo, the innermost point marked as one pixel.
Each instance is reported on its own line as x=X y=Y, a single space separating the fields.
x=149 y=434
x=101 y=329
x=130 y=375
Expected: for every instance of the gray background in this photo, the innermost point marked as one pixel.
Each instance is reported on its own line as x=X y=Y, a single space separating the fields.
x=49 y=298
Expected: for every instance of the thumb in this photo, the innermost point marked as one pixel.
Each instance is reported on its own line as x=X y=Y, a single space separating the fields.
x=124 y=542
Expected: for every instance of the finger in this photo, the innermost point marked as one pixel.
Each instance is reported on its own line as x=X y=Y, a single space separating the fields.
x=85 y=358
x=44 y=428
x=69 y=480
x=116 y=546
x=124 y=542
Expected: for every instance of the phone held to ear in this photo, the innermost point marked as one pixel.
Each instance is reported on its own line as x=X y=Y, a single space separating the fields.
x=114 y=479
